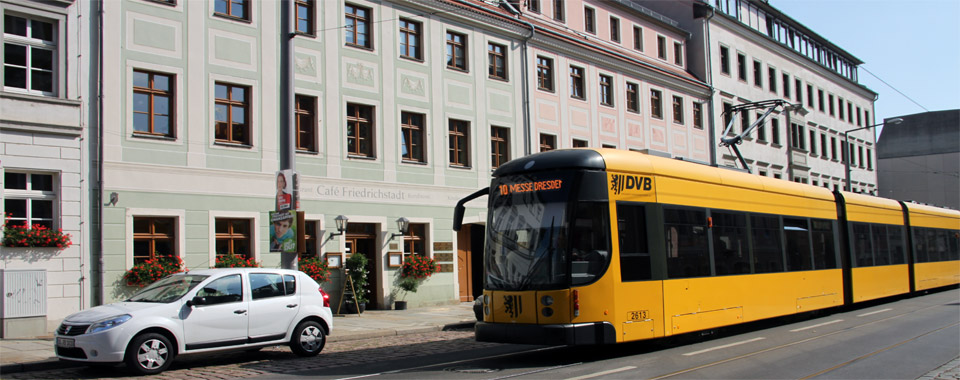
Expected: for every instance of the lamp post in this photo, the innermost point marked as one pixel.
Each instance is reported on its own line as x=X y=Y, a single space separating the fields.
x=848 y=152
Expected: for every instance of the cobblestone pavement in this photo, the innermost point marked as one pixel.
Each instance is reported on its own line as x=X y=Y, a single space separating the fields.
x=949 y=371
x=277 y=360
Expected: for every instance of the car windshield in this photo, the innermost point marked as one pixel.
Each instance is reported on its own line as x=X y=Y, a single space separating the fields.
x=168 y=289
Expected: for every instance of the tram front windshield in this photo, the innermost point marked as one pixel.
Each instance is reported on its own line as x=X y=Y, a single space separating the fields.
x=539 y=238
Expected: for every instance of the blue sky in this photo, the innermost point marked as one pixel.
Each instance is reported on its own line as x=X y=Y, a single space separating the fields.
x=913 y=45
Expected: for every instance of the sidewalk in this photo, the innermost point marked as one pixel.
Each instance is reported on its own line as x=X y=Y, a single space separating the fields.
x=21 y=355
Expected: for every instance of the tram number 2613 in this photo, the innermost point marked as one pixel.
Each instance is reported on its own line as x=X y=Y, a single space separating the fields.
x=638 y=315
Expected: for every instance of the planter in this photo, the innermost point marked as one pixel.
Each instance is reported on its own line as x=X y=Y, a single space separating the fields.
x=351 y=308
x=399 y=305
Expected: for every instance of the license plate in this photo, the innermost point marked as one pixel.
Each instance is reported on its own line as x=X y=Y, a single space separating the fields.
x=65 y=342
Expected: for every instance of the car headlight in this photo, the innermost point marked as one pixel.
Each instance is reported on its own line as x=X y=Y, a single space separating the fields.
x=109 y=323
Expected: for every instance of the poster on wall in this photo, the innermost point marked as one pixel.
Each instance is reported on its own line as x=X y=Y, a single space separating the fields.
x=283 y=232
x=288 y=190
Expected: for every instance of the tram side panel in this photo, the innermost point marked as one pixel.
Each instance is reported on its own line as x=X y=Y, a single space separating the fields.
x=876 y=247
x=935 y=238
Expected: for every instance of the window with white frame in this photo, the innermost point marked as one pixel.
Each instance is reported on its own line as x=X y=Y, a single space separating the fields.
x=30 y=48
x=30 y=198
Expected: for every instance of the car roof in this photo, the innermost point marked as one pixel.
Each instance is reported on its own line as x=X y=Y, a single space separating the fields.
x=222 y=271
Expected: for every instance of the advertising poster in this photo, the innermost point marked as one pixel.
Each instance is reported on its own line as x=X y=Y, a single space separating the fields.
x=288 y=194
x=283 y=232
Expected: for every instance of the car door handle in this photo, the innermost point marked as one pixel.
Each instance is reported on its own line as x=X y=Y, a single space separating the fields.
x=293 y=305
x=239 y=311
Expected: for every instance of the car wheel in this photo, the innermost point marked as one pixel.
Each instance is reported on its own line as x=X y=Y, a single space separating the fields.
x=308 y=339
x=149 y=354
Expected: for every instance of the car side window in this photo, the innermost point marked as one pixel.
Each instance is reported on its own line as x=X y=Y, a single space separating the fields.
x=222 y=290
x=266 y=285
x=290 y=283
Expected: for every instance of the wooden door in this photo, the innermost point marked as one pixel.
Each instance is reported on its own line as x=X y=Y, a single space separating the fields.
x=464 y=264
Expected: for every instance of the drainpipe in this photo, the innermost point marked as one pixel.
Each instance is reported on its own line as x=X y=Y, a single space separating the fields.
x=97 y=261
x=712 y=137
x=525 y=85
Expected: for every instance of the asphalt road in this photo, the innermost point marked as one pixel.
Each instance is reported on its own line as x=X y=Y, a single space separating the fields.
x=903 y=339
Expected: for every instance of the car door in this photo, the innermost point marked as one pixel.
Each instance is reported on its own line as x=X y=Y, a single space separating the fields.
x=274 y=305
x=222 y=317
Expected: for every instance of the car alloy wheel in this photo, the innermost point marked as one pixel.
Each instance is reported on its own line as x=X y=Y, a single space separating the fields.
x=308 y=339
x=149 y=354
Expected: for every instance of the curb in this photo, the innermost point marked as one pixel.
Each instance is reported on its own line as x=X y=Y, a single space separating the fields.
x=54 y=363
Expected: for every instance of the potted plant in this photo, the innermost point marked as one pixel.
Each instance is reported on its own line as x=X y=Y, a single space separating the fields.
x=415 y=269
x=356 y=268
x=151 y=270
x=314 y=267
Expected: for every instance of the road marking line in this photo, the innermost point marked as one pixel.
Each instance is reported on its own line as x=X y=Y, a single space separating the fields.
x=873 y=312
x=598 y=374
x=722 y=347
x=817 y=325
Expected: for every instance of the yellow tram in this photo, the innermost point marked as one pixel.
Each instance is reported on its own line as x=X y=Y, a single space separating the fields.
x=588 y=246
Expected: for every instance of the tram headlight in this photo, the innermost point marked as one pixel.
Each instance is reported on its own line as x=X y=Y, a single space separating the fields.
x=486 y=310
x=546 y=300
x=547 y=312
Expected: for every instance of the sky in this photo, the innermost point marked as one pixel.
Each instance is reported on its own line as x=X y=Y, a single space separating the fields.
x=912 y=45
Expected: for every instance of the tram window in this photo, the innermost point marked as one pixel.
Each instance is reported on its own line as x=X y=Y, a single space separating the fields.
x=930 y=238
x=941 y=245
x=730 y=253
x=920 y=245
x=688 y=254
x=797 y=233
x=767 y=250
x=954 y=244
x=881 y=250
x=824 y=248
x=589 y=242
x=895 y=237
x=862 y=249
x=634 y=250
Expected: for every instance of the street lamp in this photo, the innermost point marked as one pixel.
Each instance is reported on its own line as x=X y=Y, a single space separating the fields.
x=341 y=226
x=848 y=152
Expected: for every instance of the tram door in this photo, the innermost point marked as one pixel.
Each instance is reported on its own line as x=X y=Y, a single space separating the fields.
x=362 y=238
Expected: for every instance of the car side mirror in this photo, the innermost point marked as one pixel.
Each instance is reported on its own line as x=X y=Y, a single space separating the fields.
x=197 y=301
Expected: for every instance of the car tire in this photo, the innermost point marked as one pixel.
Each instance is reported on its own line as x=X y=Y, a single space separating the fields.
x=149 y=354
x=308 y=339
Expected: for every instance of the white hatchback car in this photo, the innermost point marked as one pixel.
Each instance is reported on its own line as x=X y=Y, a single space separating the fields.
x=201 y=311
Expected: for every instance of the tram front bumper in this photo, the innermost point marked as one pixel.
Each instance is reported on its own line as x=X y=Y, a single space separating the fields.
x=551 y=335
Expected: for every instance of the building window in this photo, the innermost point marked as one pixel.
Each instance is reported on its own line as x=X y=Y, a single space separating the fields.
x=415 y=242
x=775 y=131
x=866 y=117
x=662 y=47
x=358 y=26
x=606 y=90
x=638 y=38
x=577 y=83
x=305 y=17
x=798 y=87
x=850 y=112
x=411 y=136
x=306 y=123
x=724 y=60
x=498 y=61
x=728 y=117
x=544 y=73
x=786 y=86
x=614 y=29
x=697 y=115
x=757 y=74
x=813 y=142
x=833 y=147
x=30 y=199
x=410 y=39
x=656 y=107
x=499 y=146
x=459 y=143
x=742 y=67
x=577 y=143
x=29 y=55
x=153 y=103
x=232 y=8
x=859 y=119
x=589 y=20
x=456 y=51
x=533 y=6
x=796 y=137
x=772 y=79
x=678 y=53
x=232 y=111
x=820 y=100
x=311 y=235
x=633 y=97
x=744 y=120
x=840 y=102
x=547 y=142
x=153 y=238
x=678 y=110
x=558 y=11
x=233 y=237
x=608 y=146
x=761 y=131
x=810 y=96
x=823 y=145
x=830 y=105
x=360 y=138
x=860 y=156
x=869 y=160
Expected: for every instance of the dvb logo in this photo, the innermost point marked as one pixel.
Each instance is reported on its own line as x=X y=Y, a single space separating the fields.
x=621 y=182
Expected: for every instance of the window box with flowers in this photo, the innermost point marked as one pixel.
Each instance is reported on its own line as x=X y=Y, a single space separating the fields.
x=415 y=270
x=234 y=261
x=151 y=270
x=19 y=235
x=314 y=267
